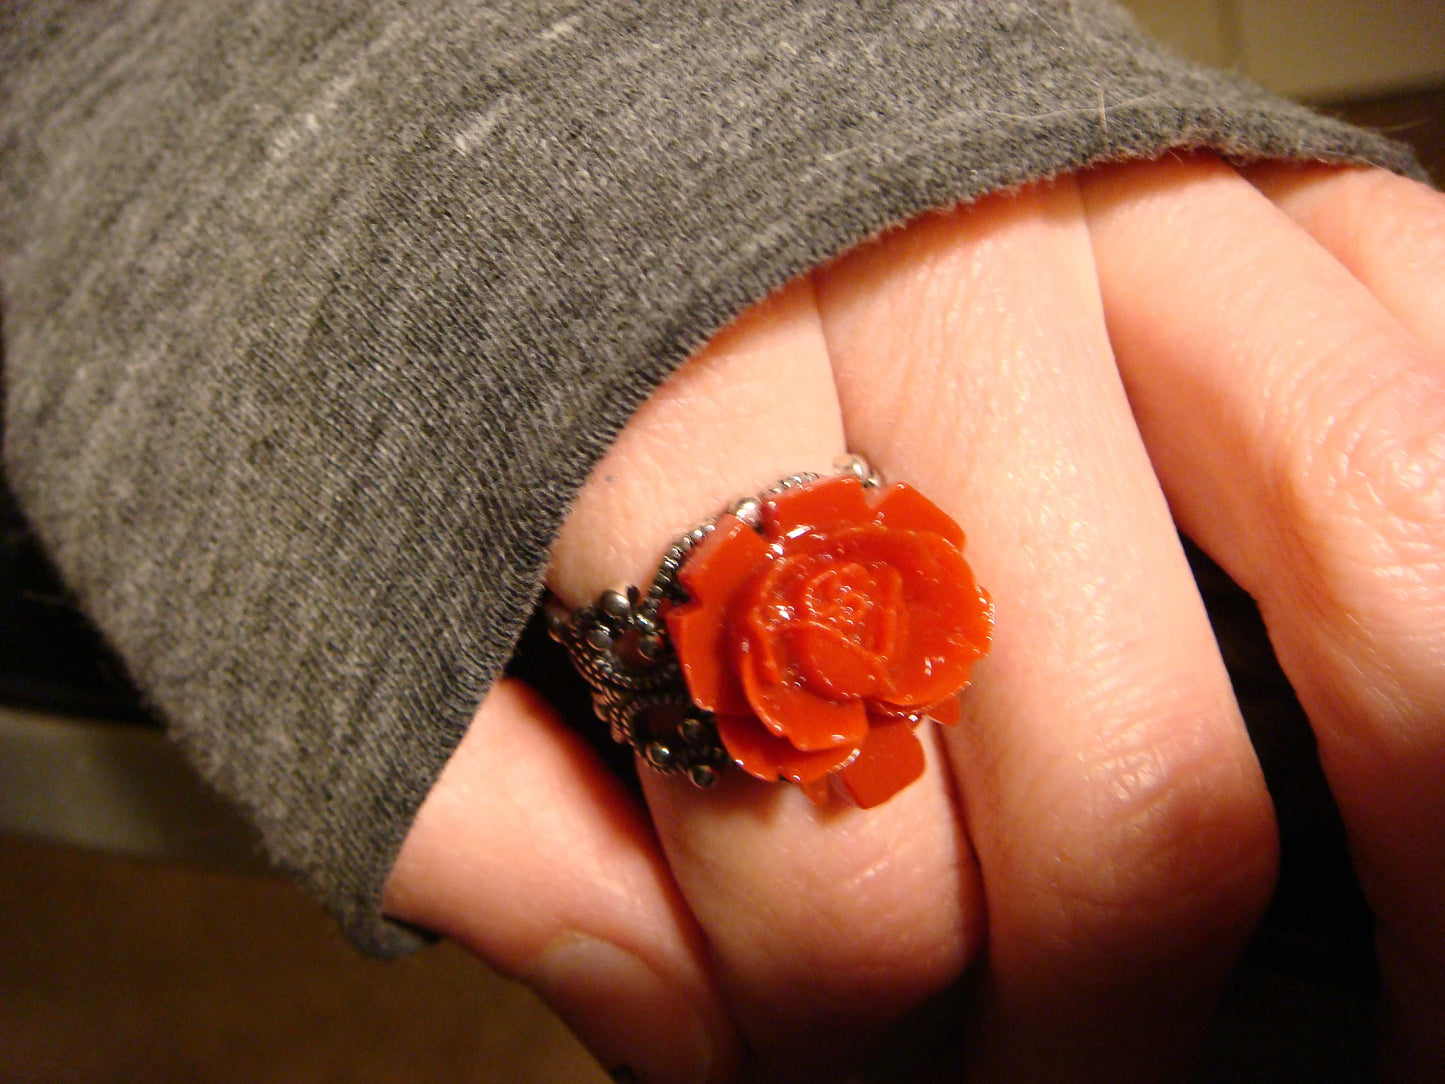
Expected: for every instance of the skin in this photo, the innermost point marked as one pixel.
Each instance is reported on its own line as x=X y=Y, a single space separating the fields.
x=1070 y=371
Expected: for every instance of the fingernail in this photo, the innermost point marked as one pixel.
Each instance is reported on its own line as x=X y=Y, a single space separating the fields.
x=628 y=1016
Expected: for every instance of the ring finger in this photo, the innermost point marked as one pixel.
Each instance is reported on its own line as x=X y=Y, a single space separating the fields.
x=822 y=922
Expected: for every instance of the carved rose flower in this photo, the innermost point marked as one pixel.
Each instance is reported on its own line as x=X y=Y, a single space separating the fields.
x=819 y=639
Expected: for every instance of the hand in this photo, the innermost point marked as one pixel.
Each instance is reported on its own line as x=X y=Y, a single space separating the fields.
x=1069 y=371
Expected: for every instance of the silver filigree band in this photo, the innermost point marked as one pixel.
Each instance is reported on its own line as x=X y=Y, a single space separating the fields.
x=620 y=646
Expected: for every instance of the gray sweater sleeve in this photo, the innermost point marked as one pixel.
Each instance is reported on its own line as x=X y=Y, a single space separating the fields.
x=317 y=315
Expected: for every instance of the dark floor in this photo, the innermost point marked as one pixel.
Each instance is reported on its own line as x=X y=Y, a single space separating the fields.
x=116 y=970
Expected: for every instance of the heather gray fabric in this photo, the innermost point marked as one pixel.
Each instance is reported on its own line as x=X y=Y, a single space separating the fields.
x=318 y=314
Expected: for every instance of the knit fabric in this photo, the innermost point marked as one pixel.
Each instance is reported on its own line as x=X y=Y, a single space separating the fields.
x=317 y=315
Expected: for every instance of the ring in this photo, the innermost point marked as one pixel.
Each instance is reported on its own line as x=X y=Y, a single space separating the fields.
x=802 y=635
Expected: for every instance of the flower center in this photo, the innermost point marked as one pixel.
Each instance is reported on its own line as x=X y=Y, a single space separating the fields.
x=840 y=624
x=841 y=596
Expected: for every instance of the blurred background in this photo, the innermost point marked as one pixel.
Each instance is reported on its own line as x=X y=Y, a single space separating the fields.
x=1379 y=63
x=1314 y=50
x=141 y=940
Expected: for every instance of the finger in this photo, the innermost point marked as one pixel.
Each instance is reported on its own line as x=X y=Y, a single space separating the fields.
x=1300 y=433
x=824 y=924
x=528 y=853
x=1120 y=819
x=1388 y=231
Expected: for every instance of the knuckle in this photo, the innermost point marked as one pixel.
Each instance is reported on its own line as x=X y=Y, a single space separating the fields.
x=1382 y=456
x=1177 y=807
x=1367 y=487
x=1376 y=203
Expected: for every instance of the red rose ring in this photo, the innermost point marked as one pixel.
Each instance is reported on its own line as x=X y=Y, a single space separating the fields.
x=802 y=635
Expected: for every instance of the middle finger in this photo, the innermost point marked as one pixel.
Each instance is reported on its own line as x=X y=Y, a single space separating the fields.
x=1119 y=816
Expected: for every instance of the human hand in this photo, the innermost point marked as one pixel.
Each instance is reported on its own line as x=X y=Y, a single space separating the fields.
x=1068 y=372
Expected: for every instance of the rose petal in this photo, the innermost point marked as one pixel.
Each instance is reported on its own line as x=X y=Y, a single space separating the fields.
x=889 y=760
x=947 y=712
x=792 y=712
x=960 y=627
x=759 y=610
x=818 y=506
x=766 y=757
x=832 y=664
x=948 y=626
x=888 y=622
x=714 y=573
x=903 y=508
x=948 y=621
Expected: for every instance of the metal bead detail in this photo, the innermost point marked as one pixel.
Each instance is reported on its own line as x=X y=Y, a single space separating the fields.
x=748 y=509
x=621 y=647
